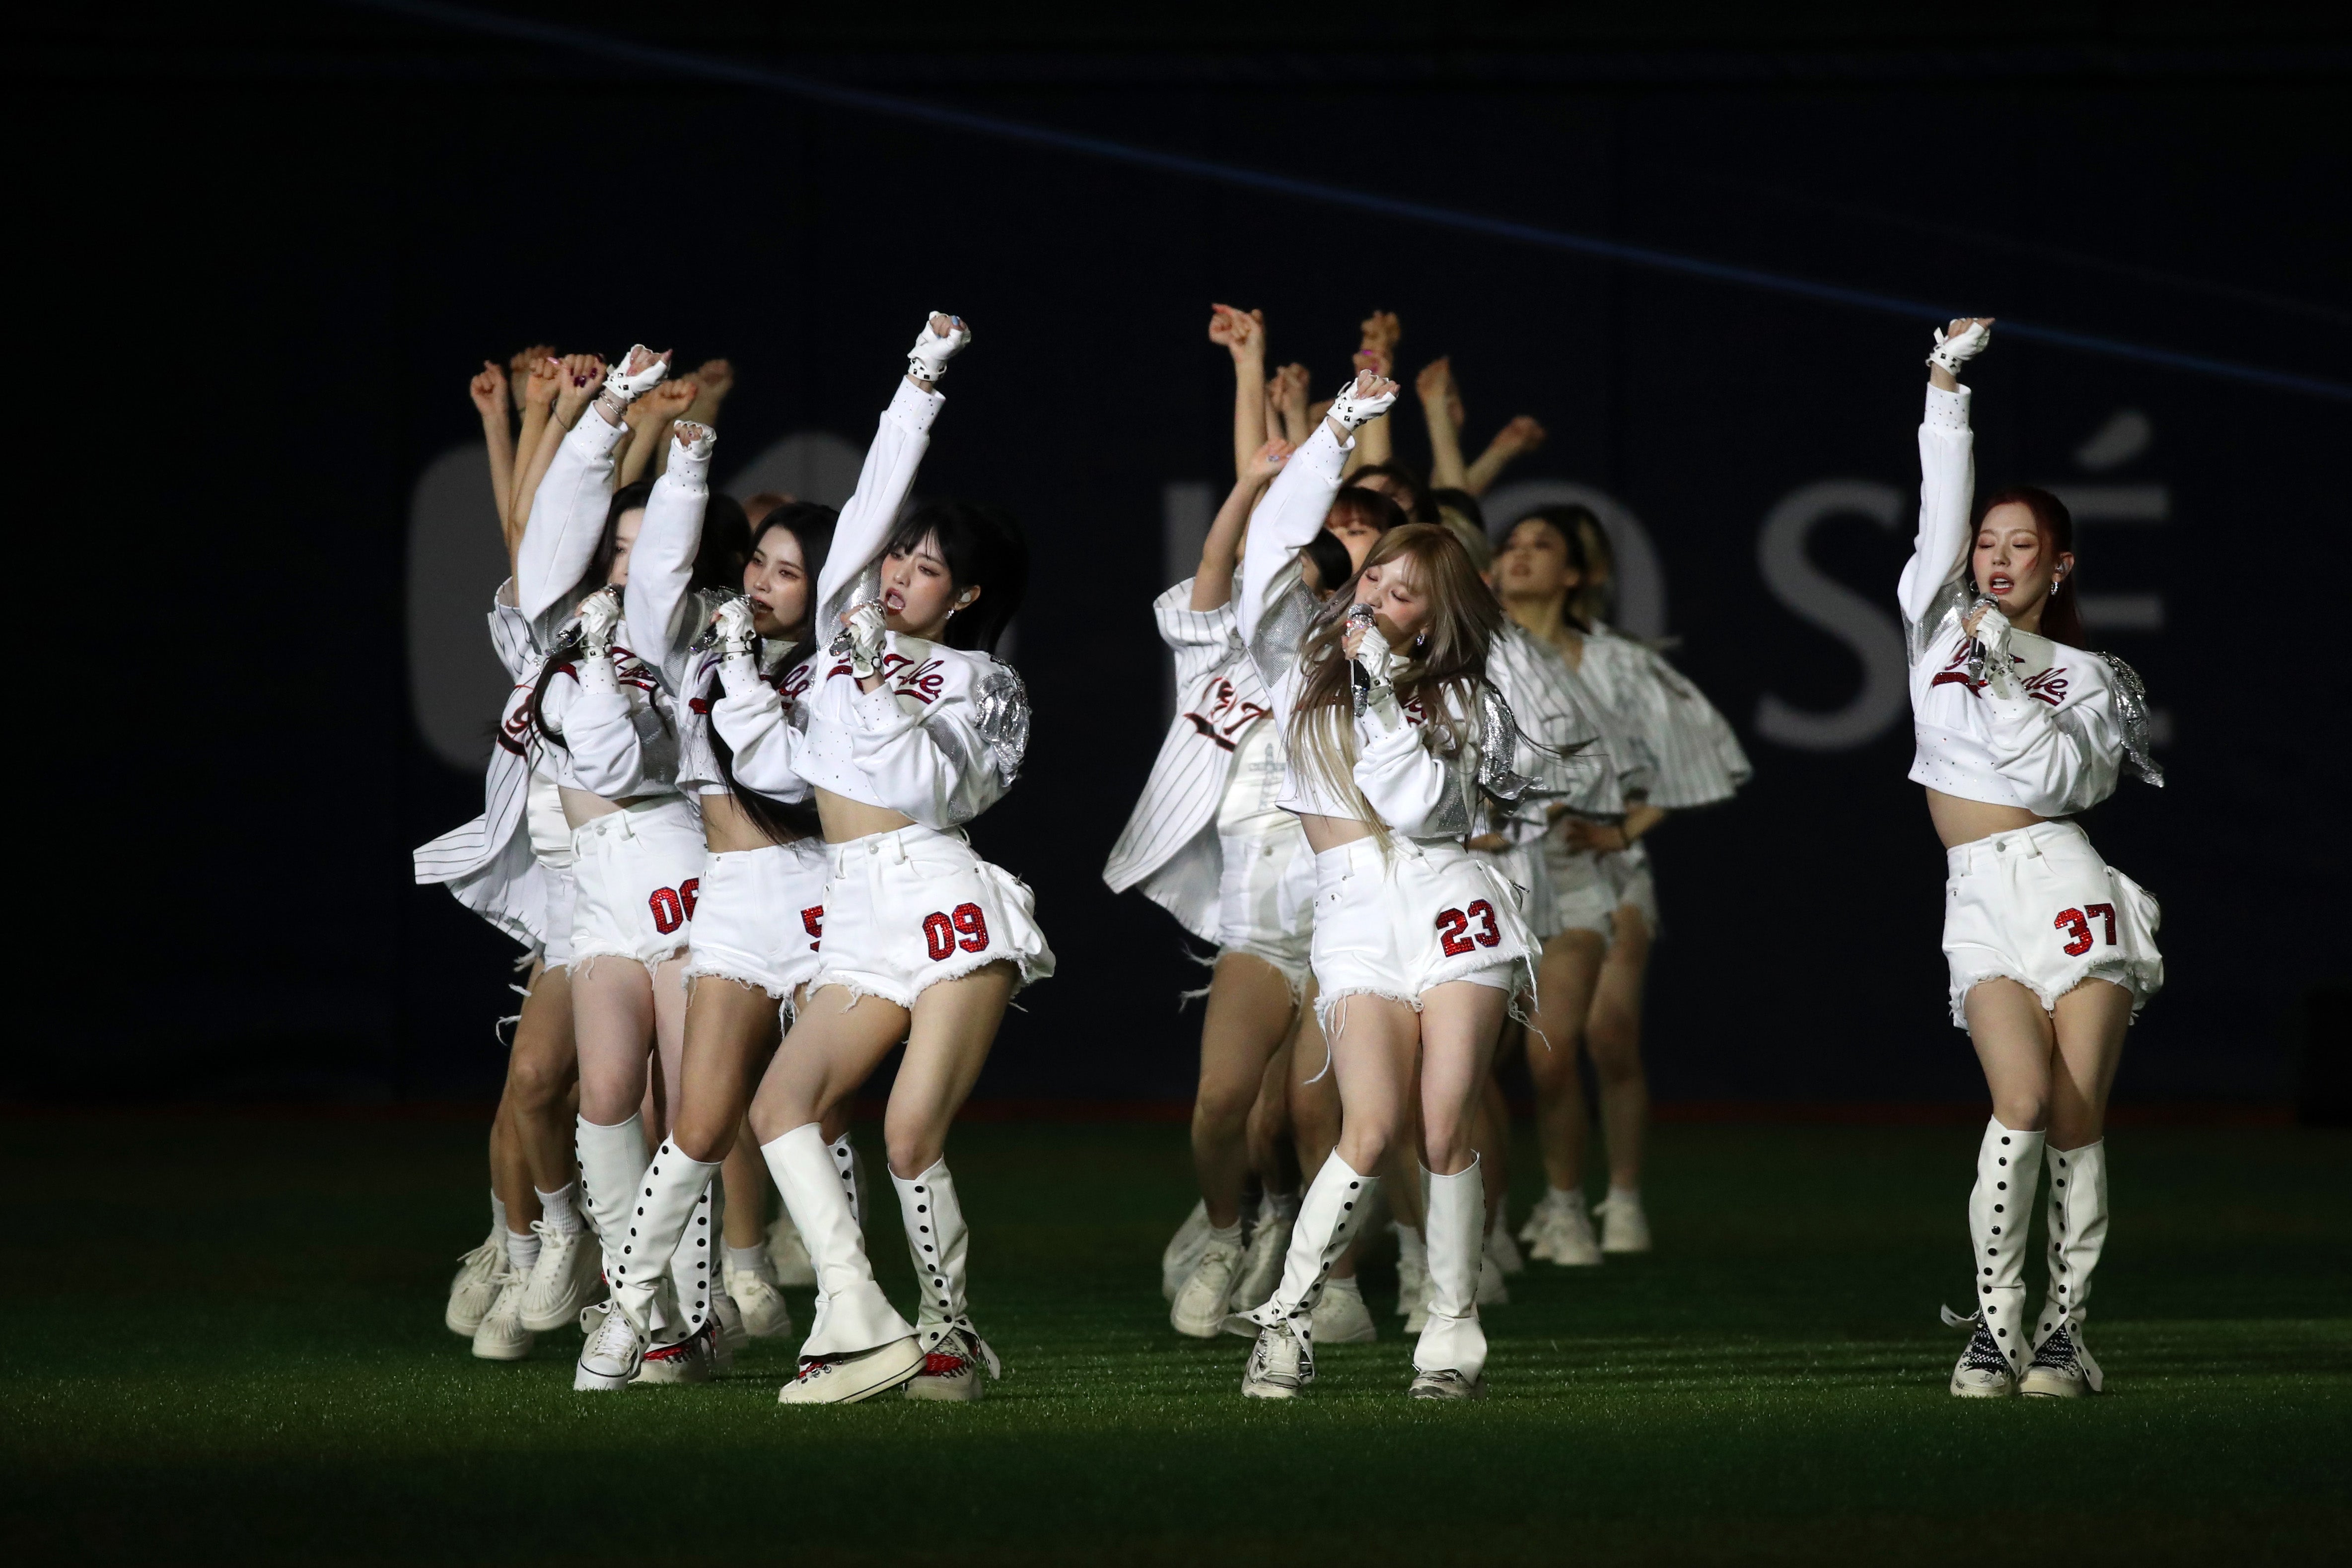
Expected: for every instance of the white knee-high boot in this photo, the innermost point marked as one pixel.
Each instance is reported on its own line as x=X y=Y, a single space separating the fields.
x=2078 y=1235
x=937 y=1241
x=852 y=1313
x=667 y=1243
x=1328 y=1216
x=2000 y=1207
x=1456 y=1229
x=611 y=1164
x=844 y=1160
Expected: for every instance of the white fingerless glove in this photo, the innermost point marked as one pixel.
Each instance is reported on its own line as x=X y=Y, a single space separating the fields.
x=624 y=389
x=928 y=359
x=1351 y=413
x=600 y=617
x=1989 y=661
x=863 y=633
x=1957 y=349
x=690 y=463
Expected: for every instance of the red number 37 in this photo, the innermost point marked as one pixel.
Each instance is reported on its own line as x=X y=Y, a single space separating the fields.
x=2078 y=928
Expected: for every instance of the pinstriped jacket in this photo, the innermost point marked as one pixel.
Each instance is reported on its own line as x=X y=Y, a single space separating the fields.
x=1170 y=845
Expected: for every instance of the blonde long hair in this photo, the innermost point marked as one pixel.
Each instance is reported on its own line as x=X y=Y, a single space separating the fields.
x=1440 y=672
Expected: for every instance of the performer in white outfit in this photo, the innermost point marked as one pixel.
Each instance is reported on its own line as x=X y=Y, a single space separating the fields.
x=2052 y=952
x=1391 y=732
x=636 y=844
x=1671 y=751
x=1208 y=843
x=912 y=731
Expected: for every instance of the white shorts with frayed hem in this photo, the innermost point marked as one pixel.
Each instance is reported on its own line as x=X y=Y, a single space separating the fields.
x=1420 y=917
x=1265 y=898
x=760 y=917
x=639 y=873
x=563 y=897
x=2038 y=906
x=1588 y=888
x=906 y=910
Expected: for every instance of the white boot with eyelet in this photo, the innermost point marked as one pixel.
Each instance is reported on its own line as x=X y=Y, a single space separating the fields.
x=858 y=1346
x=661 y=1271
x=953 y=1351
x=2061 y=1367
x=1449 y=1361
x=1282 y=1363
x=2000 y=1207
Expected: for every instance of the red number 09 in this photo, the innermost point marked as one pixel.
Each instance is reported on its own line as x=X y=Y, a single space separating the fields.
x=940 y=931
x=1452 y=925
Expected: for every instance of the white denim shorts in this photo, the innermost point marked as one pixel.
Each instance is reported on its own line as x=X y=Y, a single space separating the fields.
x=760 y=915
x=639 y=872
x=1422 y=914
x=908 y=909
x=1522 y=865
x=2038 y=906
x=1265 y=899
x=1588 y=888
x=563 y=897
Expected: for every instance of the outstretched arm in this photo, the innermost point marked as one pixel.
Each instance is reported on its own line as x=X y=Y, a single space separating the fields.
x=1212 y=585
x=650 y=420
x=1300 y=497
x=1947 y=471
x=1382 y=333
x=661 y=564
x=577 y=487
x=488 y=390
x=1242 y=333
x=1286 y=391
x=578 y=379
x=1440 y=410
x=899 y=442
x=1516 y=439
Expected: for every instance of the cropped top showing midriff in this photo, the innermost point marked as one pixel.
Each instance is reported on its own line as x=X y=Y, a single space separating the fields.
x=2027 y=730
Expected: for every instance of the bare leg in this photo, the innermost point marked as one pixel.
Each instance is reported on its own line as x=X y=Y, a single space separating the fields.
x=1566 y=981
x=2015 y=1045
x=510 y=1173
x=542 y=1070
x=669 y=1036
x=612 y=1014
x=1270 y=1152
x=948 y=1041
x=1459 y=1024
x=1249 y=1013
x=2092 y=1021
x=1315 y=1107
x=835 y=1046
x=1492 y=1138
x=1612 y=1034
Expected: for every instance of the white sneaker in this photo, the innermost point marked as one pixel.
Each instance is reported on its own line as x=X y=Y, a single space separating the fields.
x=1340 y=1316
x=790 y=1255
x=1445 y=1384
x=480 y=1274
x=1503 y=1249
x=691 y=1360
x=1983 y=1372
x=1492 y=1291
x=952 y=1370
x=1412 y=1294
x=732 y=1335
x=570 y=1274
x=766 y=1314
x=1281 y=1364
x=2061 y=1367
x=1262 y=1265
x=1207 y=1293
x=501 y=1335
x=1564 y=1233
x=1623 y=1226
x=1183 y=1250
x=846 y=1379
x=614 y=1350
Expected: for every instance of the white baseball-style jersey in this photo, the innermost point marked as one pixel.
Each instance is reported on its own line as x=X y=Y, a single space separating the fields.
x=1170 y=845
x=2048 y=732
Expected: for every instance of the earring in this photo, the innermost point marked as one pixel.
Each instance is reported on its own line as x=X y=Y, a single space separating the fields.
x=1421 y=639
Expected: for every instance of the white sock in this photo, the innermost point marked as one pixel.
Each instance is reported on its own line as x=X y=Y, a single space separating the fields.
x=522 y=1250
x=1567 y=1197
x=1411 y=1247
x=1231 y=1235
x=1281 y=1205
x=751 y=1259
x=1348 y=1284
x=498 y=1211
x=559 y=1209
x=1625 y=1194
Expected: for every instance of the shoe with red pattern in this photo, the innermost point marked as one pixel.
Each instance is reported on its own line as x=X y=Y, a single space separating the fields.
x=953 y=1357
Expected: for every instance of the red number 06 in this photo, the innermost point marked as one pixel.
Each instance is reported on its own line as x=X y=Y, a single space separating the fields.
x=940 y=931
x=1452 y=923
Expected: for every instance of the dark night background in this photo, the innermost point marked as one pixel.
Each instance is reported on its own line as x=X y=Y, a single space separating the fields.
x=268 y=245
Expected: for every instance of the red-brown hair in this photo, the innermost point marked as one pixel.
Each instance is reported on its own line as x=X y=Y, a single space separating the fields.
x=2061 y=613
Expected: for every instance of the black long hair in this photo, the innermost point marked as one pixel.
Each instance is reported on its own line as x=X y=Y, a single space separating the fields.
x=984 y=548
x=2061 y=611
x=1415 y=502
x=812 y=525
x=1569 y=521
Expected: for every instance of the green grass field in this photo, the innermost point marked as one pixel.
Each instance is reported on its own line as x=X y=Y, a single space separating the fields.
x=1768 y=1386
